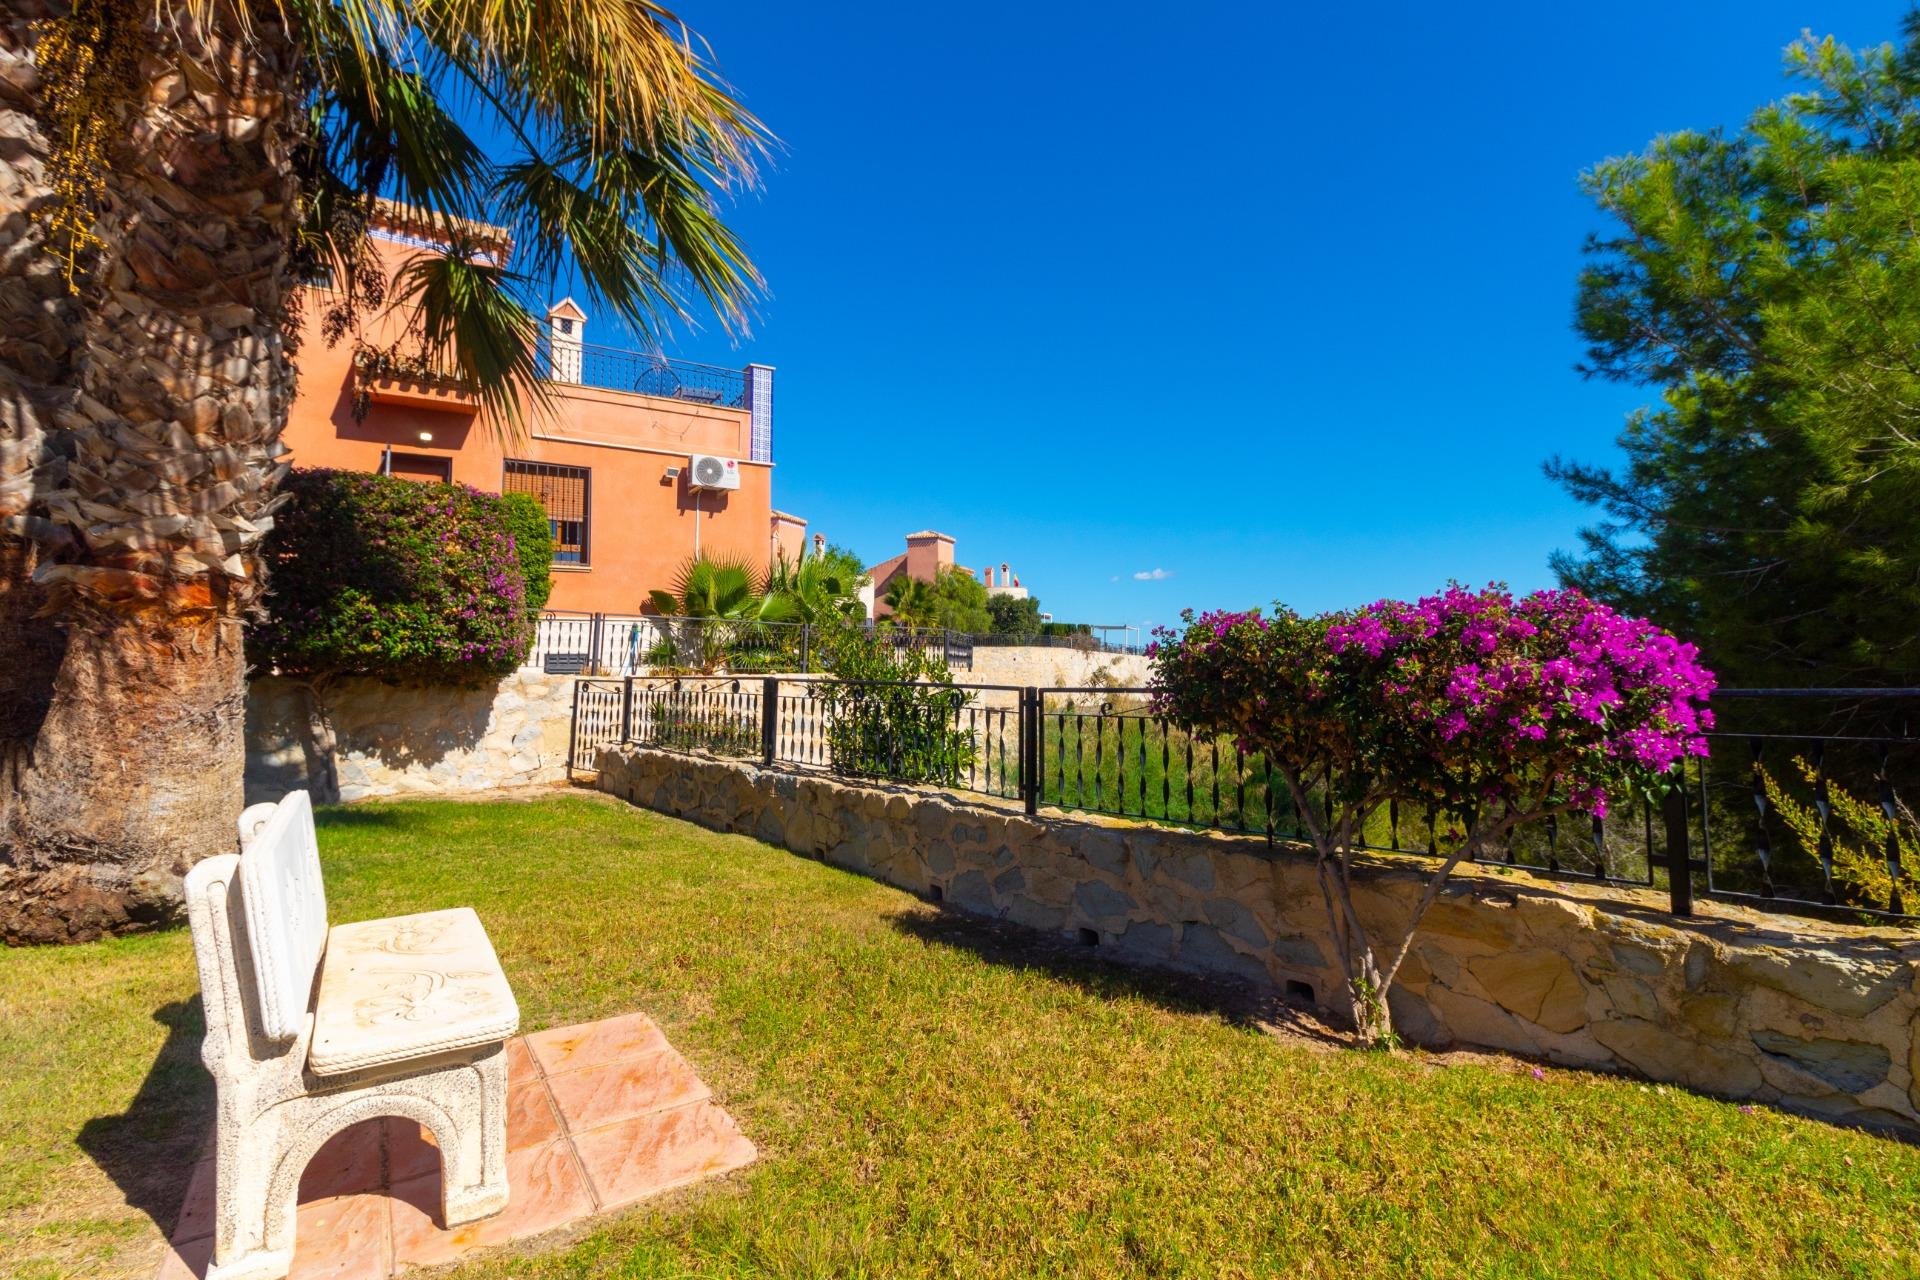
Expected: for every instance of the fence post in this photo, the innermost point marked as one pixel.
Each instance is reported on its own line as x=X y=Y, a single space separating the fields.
x=626 y=712
x=1673 y=807
x=769 y=718
x=806 y=648
x=573 y=730
x=1030 y=748
x=593 y=644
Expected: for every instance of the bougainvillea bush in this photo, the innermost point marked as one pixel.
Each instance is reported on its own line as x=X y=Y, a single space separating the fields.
x=380 y=576
x=1493 y=710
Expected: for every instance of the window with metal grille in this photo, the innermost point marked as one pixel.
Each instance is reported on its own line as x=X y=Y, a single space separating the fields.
x=565 y=492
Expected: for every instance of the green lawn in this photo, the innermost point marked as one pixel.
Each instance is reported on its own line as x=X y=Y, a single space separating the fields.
x=935 y=1097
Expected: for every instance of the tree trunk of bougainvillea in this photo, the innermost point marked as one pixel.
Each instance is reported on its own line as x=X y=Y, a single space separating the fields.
x=153 y=478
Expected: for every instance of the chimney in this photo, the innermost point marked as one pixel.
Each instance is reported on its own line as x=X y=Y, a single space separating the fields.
x=819 y=546
x=566 y=326
x=927 y=554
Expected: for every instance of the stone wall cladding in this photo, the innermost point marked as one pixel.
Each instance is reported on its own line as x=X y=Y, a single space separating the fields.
x=1048 y=667
x=1814 y=1017
x=395 y=740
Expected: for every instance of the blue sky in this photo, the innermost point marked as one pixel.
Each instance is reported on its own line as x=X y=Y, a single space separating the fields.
x=1260 y=301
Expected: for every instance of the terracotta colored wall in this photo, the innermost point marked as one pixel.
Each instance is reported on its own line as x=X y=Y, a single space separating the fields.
x=790 y=539
x=640 y=527
x=927 y=556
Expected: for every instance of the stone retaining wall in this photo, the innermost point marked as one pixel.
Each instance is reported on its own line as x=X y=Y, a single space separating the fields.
x=1819 y=1018
x=1047 y=666
x=392 y=740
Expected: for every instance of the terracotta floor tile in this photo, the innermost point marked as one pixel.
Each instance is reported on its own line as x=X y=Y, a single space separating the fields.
x=412 y=1153
x=616 y=1091
x=339 y=1238
x=654 y=1153
x=520 y=1064
x=196 y=1210
x=636 y=1110
x=592 y=1043
x=344 y=1238
x=349 y=1162
x=548 y=1192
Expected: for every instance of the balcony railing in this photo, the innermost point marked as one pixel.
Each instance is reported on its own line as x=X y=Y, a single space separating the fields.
x=611 y=369
x=410 y=378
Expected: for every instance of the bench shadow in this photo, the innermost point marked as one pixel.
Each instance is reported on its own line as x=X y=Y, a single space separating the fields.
x=150 y=1149
x=1104 y=977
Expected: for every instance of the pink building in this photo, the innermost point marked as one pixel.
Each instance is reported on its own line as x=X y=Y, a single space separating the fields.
x=928 y=553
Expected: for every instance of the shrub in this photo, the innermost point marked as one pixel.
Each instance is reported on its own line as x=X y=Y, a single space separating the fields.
x=533 y=542
x=375 y=575
x=883 y=719
x=1015 y=616
x=1494 y=711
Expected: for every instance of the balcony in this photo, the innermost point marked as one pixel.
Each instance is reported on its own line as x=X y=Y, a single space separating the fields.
x=611 y=369
x=415 y=382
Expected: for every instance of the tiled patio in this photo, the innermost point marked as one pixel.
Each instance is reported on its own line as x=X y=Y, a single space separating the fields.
x=599 y=1116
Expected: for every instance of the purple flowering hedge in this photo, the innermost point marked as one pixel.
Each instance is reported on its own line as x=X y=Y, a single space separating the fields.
x=374 y=575
x=1493 y=710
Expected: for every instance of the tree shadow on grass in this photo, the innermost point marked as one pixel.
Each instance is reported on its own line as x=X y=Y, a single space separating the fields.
x=149 y=1150
x=329 y=817
x=1104 y=977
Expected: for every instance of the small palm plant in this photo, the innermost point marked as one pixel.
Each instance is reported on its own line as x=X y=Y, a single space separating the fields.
x=824 y=590
x=914 y=603
x=729 y=615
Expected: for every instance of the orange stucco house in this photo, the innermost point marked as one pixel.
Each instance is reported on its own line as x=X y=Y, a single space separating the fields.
x=641 y=461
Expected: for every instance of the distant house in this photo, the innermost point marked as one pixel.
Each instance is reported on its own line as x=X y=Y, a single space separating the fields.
x=927 y=554
x=641 y=462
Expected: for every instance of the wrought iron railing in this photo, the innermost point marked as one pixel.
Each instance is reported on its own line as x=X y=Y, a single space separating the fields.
x=612 y=369
x=614 y=644
x=1815 y=820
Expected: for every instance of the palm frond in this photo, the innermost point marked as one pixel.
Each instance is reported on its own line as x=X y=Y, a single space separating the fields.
x=466 y=313
x=619 y=140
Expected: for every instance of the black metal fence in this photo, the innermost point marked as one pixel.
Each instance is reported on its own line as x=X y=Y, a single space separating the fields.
x=1813 y=820
x=965 y=737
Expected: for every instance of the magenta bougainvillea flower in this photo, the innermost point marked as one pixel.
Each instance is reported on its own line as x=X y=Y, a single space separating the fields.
x=1463 y=699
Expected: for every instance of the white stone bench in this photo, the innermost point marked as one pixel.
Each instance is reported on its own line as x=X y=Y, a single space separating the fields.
x=312 y=1029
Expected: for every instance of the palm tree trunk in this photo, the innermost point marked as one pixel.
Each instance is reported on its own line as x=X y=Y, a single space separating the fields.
x=149 y=502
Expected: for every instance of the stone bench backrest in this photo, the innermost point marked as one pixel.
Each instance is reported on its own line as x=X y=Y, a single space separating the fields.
x=285 y=906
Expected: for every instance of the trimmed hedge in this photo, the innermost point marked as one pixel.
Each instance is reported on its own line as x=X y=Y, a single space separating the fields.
x=373 y=575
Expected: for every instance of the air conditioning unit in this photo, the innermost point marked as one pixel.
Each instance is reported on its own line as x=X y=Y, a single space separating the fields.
x=708 y=472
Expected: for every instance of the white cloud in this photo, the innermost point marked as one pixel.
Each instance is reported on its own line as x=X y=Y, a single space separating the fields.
x=1153 y=575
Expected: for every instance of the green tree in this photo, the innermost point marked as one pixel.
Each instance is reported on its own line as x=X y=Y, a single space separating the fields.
x=955 y=600
x=173 y=170
x=1767 y=283
x=1014 y=616
x=960 y=603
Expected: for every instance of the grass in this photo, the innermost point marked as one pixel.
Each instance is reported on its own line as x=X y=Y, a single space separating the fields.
x=936 y=1096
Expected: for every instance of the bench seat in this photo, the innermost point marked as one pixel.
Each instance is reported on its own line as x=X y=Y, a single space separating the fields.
x=406 y=988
